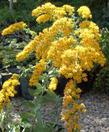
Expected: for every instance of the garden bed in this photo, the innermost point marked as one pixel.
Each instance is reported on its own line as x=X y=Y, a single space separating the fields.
x=96 y=119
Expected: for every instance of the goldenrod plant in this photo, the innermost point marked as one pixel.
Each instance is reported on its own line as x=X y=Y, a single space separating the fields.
x=71 y=43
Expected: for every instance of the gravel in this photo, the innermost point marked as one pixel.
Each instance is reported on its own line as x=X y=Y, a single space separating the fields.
x=96 y=119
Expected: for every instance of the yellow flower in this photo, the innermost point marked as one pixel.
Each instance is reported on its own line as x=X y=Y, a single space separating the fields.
x=48 y=12
x=13 y=28
x=43 y=18
x=39 y=68
x=26 y=51
x=53 y=84
x=84 y=12
x=59 y=13
x=47 y=8
x=70 y=115
x=8 y=90
x=69 y=9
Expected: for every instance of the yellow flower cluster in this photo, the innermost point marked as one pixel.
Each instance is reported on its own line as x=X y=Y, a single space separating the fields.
x=50 y=12
x=39 y=68
x=42 y=42
x=58 y=47
x=71 y=108
x=53 y=84
x=40 y=45
x=8 y=90
x=13 y=28
x=84 y=12
x=27 y=50
x=76 y=61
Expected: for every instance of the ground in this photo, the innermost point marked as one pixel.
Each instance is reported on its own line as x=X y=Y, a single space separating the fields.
x=96 y=119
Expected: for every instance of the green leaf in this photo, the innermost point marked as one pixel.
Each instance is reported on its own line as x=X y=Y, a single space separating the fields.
x=42 y=128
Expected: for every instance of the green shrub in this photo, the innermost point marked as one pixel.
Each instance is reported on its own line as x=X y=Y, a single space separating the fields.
x=102 y=80
x=10 y=45
x=105 y=43
x=22 y=11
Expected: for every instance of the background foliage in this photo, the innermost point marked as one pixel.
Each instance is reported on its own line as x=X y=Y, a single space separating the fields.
x=101 y=83
x=22 y=11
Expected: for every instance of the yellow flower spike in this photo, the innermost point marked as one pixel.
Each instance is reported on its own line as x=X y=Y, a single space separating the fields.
x=27 y=50
x=48 y=12
x=8 y=90
x=38 y=70
x=47 y=8
x=43 y=18
x=71 y=114
x=13 y=28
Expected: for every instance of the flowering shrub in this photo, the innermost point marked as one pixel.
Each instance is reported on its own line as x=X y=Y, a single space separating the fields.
x=72 y=46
